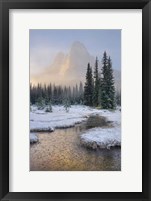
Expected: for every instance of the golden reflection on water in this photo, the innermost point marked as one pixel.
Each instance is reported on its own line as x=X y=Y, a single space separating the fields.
x=61 y=151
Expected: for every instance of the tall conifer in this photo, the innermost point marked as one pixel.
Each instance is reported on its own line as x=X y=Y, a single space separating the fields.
x=96 y=84
x=89 y=87
x=107 y=84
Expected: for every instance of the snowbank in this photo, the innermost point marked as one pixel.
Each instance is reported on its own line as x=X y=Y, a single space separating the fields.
x=104 y=137
x=37 y=126
x=59 y=118
x=33 y=138
x=101 y=138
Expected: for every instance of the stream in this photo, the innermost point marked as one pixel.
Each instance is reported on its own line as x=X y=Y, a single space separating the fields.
x=61 y=150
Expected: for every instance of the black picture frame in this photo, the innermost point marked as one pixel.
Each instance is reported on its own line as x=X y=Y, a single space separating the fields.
x=5 y=5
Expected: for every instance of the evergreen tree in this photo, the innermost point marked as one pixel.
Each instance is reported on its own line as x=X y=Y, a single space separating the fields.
x=55 y=95
x=76 y=94
x=40 y=103
x=67 y=105
x=107 y=84
x=49 y=92
x=103 y=82
x=89 y=87
x=60 y=96
x=96 y=85
x=69 y=93
x=46 y=95
x=111 y=87
x=49 y=107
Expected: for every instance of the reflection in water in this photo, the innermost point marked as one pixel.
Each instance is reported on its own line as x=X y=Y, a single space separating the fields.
x=61 y=151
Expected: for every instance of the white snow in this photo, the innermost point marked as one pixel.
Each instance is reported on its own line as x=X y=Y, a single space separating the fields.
x=59 y=118
x=33 y=138
x=102 y=138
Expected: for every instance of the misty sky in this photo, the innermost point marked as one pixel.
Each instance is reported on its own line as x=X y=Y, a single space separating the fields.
x=45 y=44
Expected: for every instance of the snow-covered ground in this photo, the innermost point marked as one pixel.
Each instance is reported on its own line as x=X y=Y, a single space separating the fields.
x=102 y=138
x=33 y=138
x=59 y=118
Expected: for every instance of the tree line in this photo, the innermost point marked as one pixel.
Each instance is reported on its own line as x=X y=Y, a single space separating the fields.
x=46 y=94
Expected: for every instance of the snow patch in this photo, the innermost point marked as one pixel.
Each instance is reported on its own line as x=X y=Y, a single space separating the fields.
x=102 y=138
x=33 y=138
x=41 y=121
x=37 y=126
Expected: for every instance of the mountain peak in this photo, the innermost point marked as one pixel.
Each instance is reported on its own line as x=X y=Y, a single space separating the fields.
x=77 y=45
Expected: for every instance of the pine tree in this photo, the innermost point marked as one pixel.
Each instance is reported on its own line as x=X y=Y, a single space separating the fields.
x=67 y=105
x=76 y=94
x=107 y=84
x=40 y=103
x=103 y=81
x=96 y=84
x=69 y=93
x=89 y=87
x=111 y=87
x=49 y=107
x=55 y=95
x=49 y=92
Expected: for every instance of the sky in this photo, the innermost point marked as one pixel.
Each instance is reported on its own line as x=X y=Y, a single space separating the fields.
x=45 y=44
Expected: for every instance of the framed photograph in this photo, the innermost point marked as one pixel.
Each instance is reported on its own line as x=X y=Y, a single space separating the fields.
x=75 y=100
